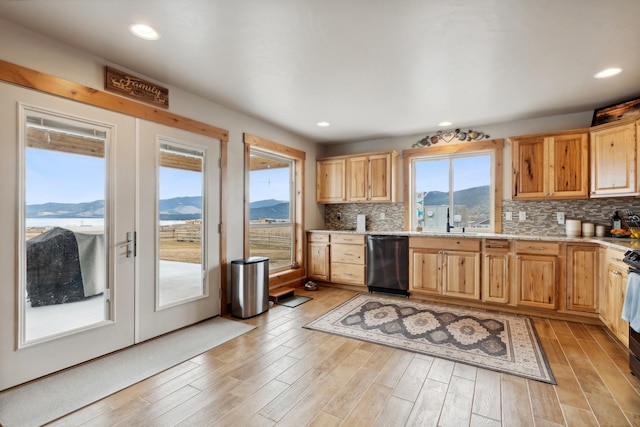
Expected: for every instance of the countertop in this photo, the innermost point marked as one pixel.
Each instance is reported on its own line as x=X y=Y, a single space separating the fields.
x=613 y=242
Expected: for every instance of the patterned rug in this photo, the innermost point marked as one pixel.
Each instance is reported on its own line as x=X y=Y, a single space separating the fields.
x=497 y=341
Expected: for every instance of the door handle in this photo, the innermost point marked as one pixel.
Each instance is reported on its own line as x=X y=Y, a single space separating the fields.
x=130 y=244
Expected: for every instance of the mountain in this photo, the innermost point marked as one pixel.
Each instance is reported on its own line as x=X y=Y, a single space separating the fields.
x=265 y=203
x=93 y=209
x=177 y=208
x=279 y=210
x=476 y=201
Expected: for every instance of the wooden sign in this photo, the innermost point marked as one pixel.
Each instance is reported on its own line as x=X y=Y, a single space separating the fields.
x=136 y=88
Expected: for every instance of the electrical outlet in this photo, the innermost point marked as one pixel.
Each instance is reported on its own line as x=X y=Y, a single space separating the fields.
x=382 y=215
x=508 y=216
x=561 y=218
x=339 y=216
x=522 y=216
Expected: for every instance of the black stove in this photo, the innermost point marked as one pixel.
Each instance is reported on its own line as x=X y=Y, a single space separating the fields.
x=632 y=259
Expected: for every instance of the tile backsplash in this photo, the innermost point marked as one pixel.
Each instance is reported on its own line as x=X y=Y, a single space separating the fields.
x=541 y=216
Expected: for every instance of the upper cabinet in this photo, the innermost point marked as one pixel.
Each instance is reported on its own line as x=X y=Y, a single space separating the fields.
x=614 y=169
x=551 y=166
x=363 y=178
x=331 y=181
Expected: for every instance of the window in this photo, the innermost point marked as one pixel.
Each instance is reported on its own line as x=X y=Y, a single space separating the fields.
x=273 y=207
x=454 y=185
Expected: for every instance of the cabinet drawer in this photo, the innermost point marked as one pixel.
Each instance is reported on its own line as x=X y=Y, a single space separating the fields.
x=445 y=243
x=496 y=244
x=542 y=248
x=347 y=273
x=351 y=254
x=318 y=237
x=348 y=238
x=615 y=257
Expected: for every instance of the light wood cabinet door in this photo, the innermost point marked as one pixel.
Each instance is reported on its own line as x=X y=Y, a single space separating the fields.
x=331 y=181
x=425 y=272
x=358 y=178
x=551 y=166
x=381 y=178
x=582 y=278
x=569 y=166
x=529 y=167
x=613 y=161
x=615 y=292
x=318 y=261
x=536 y=278
x=461 y=274
x=612 y=294
x=496 y=277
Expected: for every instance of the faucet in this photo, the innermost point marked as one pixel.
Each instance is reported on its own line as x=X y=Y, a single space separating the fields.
x=449 y=226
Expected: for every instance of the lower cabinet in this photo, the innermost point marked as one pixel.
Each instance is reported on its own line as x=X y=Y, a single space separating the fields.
x=537 y=268
x=446 y=266
x=612 y=294
x=318 y=256
x=582 y=278
x=348 y=263
x=496 y=271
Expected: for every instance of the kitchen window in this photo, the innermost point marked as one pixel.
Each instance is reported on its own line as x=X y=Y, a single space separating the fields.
x=454 y=187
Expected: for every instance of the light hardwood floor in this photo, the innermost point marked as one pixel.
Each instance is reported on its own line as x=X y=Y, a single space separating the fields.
x=281 y=374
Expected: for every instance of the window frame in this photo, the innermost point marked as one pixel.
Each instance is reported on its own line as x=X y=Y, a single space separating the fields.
x=494 y=146
x=252 y=142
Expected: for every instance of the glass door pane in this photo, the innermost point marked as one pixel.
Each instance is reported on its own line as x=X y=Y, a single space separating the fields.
x=180 y=224
x=65 y=272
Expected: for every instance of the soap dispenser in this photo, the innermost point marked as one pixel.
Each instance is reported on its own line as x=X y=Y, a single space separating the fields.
x=616 y=221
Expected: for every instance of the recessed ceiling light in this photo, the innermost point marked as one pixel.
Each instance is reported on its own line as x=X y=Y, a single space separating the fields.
x=323 y=124
x=607 y=73
x=144 y=31
x=445 y=124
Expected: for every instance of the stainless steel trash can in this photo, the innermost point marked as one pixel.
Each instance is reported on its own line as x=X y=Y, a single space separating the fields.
x=249 y=287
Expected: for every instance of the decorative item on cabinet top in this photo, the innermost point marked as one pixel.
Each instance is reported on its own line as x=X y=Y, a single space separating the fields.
x=450 y=135
x=615 y=112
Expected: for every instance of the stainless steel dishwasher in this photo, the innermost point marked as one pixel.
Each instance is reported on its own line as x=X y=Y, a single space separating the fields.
x=388 y=264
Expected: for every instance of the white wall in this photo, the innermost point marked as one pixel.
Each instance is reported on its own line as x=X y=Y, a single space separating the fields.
x=495 y=131
x=23 y=47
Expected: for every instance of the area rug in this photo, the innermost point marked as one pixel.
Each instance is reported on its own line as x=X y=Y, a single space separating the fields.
x=497 y=341
x=293 y=301
x=44 y=400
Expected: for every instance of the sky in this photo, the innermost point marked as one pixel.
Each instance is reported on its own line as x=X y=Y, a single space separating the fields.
x=54 y=176
x=269 y=184
x=469 y=172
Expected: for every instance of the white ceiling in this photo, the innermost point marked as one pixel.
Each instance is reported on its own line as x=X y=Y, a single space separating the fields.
x=372 y=68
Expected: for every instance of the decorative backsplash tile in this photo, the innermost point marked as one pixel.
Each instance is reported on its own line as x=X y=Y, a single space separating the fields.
x=541 y=216
x=343 y=216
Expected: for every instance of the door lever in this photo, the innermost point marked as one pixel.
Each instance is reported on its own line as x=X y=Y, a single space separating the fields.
x=130 y=244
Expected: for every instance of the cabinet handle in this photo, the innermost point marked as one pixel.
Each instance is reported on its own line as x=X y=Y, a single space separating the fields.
x=617 y=273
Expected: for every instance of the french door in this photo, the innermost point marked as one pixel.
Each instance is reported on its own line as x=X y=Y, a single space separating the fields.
x=178 y=217
x=89 y=265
